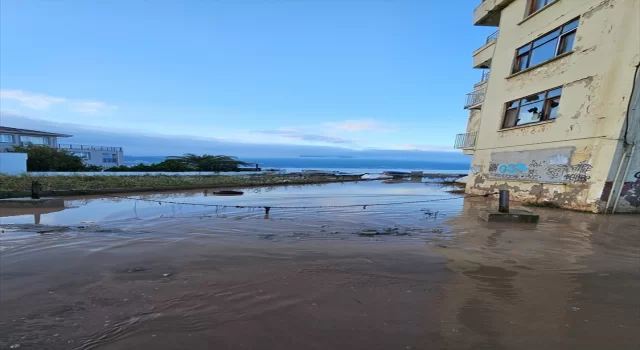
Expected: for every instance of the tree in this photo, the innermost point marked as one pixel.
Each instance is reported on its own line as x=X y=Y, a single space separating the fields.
x=187 y=162
x=207 y=162
x=45 y=158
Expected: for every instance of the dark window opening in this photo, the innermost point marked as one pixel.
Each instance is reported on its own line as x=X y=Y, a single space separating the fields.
x=550 y=45
x=532 y=109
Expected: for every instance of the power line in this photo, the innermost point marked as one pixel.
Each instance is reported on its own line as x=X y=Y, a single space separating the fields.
x=269 y=207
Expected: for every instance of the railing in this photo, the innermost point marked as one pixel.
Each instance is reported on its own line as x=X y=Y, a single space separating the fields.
x=466 y=140
x=493 y=37
x=91 y=148
x=475 y=98
x=485 y=75
x=109 y=160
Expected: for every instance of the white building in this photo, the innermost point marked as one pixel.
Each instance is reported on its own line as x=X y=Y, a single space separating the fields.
x=104 y=156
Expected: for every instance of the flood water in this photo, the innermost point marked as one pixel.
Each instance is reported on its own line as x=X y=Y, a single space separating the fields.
x=110 y=273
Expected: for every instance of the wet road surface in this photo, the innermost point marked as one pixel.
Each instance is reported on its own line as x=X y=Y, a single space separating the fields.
x=396 y=277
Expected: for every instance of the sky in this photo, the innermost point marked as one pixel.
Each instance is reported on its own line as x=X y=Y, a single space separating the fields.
x=290 y=75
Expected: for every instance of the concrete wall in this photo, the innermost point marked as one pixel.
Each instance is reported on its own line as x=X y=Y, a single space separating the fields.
x=96 y=157
x=622 y=189
x=13 y=163
x=99 y=155
x=597 y=79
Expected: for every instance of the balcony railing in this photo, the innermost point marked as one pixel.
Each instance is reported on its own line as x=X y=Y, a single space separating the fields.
x=466 y=140
x=485 y=76
x=109 y=160
x=475 y=98
x=492 y=37
x=91 y=148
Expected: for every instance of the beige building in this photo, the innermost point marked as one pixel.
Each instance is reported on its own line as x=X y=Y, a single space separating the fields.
x=558 y=118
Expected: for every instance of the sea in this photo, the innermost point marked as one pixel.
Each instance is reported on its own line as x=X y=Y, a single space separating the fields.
x=368 y=165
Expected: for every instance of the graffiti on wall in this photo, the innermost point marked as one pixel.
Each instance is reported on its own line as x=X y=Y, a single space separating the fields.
x=474 y=169
x=547 y=165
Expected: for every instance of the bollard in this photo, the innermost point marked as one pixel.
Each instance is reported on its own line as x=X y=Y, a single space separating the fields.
x=35 y=189
x=503 y=201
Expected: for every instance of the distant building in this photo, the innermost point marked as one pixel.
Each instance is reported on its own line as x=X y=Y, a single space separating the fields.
x=103 y=156
x=558 y=118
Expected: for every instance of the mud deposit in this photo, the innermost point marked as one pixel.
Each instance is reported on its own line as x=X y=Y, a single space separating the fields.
x=397 y=277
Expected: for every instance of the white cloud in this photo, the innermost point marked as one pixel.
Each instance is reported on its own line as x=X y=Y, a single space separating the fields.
x=298 y=135
x=359 y=125
x=44 y=102
x=30 y=100
x=91 y=107
x=426 y=148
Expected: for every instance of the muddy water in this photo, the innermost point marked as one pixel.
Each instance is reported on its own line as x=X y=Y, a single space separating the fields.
x=176 y=277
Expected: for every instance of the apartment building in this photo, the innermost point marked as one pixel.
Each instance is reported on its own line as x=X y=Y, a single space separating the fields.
x=104 y=156
x=558 y=117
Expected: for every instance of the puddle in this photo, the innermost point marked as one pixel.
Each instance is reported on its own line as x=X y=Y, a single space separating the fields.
x=324 y=198
x=112 y=273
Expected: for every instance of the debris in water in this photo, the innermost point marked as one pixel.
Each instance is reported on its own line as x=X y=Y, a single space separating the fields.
x=368 y=233
x=430 y=213
x=137 y=269
x=442 y=245
x=166 y=274
x=437 y=230
x=14 y=346
x=575 y=308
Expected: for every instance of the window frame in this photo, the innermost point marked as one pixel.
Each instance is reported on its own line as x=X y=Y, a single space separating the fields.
x=544 y=114
x=82 y=155
x=531 y=9
x=45 y=140
x=530 y=46
x=11 y=137
x=112 y=159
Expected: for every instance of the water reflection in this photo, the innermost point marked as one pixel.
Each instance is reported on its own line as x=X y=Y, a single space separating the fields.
x=515 y=282
x=28 y=215
x=145 y=206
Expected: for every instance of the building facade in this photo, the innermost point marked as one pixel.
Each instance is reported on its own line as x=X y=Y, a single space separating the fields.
x=104 y=156
x=558 y=118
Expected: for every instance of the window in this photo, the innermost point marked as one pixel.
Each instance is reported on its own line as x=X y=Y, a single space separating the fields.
x=83 y=155
x=109 y=158
x=6 y=138
x=36 y=140
x=546 y=47
x=536 y=5
x=532 y=109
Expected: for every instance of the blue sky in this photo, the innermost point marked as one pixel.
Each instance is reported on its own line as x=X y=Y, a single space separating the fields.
x=352 y=74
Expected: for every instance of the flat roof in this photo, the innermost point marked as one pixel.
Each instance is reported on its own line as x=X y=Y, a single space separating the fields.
x=7 y=129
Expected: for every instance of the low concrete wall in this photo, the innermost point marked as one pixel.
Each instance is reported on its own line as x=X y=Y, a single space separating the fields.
x=13 y=163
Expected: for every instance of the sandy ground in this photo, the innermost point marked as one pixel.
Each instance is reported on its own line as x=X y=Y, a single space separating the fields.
x=312 y=281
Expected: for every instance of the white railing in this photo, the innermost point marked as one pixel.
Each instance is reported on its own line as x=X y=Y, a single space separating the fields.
x=493 y=36
x=466 y=140
x=475 y=98
x=90 y=148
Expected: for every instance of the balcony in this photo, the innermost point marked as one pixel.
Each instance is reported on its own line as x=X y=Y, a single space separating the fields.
x=475 y=99
x=466 y=140
x=482 y=56
x=488 y=12
x=483 y=79
x=90 y=148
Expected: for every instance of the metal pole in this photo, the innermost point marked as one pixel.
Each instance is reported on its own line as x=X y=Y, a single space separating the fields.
x=503 y=201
